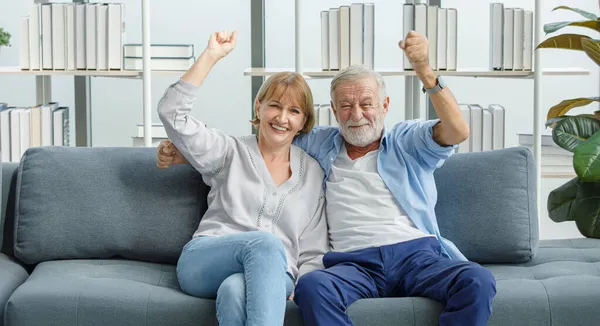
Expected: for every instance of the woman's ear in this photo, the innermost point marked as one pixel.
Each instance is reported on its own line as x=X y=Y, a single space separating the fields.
x=256 y=107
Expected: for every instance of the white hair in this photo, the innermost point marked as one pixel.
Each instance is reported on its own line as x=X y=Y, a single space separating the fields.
x=354 y=73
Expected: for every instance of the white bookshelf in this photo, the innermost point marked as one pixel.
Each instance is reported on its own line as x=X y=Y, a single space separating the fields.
x=412 y=89
x=317 y=73
x=88 y=73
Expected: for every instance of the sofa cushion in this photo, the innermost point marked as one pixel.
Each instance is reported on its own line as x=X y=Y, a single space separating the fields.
x=78 y=202
x=559 y=286
x=487 y=204
x=12 y=275
x=105 y=292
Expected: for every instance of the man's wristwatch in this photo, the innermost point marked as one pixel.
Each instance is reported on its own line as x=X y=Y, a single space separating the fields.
x=439 y=85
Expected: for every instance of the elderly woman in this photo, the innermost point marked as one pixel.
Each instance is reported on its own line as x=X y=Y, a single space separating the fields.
x=265 y=224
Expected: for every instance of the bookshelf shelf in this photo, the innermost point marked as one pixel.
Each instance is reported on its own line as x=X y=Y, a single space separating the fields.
x=317 y=73
x=87 y=73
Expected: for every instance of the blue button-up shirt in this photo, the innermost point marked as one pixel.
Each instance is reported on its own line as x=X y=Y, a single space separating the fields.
x=407 y=158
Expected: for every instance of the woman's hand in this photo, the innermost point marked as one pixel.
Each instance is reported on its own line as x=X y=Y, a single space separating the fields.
x=220 y=44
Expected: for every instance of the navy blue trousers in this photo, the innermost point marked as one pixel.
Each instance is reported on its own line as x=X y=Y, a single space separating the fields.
x=406 y=269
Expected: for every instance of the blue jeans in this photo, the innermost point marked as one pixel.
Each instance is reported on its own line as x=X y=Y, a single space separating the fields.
x=405 y=269
x=246 y=273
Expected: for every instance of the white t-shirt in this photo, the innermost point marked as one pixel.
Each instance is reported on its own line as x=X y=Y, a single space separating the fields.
x=361 y=210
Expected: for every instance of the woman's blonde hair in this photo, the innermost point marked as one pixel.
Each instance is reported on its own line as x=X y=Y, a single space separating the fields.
x=279 y=84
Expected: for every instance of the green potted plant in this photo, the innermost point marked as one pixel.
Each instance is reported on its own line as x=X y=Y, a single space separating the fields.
x=4 y=38
x=579 y=199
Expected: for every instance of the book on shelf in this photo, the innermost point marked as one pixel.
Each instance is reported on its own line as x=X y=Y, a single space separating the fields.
x=508 y=38
x=356 y=33
x=452 y=36
x=369 y=35
x=344 y=36
x=24 y=127
x=70 y=36
x=58 y=32
x=334 y=46
x=24 y=43
x=160 y=50
x=432 y=18
x=325 y=40
x=511 y=38
x=408 y=24
x=347 y=36
x=442 y=39
x=498 y=125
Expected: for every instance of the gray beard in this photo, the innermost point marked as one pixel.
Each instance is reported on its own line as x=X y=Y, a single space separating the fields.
x=365 y=135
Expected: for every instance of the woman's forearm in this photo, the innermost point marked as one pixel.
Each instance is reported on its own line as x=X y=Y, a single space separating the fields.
x=200 y=69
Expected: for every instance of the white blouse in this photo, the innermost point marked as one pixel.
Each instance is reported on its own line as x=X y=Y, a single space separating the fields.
x=243 y=195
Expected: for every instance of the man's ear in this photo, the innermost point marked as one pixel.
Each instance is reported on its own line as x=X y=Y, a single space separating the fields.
x=386 y=105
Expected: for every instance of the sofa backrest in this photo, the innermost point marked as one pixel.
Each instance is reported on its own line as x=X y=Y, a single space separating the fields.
x=77 y=202
x=487 y=204
x=68 y=203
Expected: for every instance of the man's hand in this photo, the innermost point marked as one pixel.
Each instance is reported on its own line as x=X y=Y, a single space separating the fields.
x=416 y=48
x=168 y=154
x=291 y=296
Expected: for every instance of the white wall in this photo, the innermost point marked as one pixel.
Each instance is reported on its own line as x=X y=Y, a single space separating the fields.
x=225 y=99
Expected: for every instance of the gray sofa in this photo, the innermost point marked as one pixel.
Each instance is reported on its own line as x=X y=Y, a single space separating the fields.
x=91 y=236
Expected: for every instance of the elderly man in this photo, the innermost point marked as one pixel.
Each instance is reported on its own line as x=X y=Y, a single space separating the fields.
x=381 y=196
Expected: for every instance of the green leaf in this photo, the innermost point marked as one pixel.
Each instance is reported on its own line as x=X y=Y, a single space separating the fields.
x=574 y=130
x=586 y=159
x=586 y=210
x=565 y=106
x=563 y=41
x=583 y=13
x=592 y=49
x=561 y=201
x=553 y=27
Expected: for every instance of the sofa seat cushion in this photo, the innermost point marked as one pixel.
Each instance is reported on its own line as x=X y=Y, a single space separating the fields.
x=12 y=275
x=105 y=292
x=560 y=286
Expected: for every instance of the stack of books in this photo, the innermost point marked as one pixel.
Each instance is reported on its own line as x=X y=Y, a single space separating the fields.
x=25 y=127
x=348 y=36
x=486 y=125
x=72 y=36
x=511 y=38
x=163 y=56
x=555 y=159
x=440 y=26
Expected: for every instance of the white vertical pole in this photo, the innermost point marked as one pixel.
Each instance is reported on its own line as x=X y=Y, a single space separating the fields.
x=147 y=75
x=537 y=101
x=298 y=35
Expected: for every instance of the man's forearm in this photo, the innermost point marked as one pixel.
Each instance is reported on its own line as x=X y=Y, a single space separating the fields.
x=452 y=128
